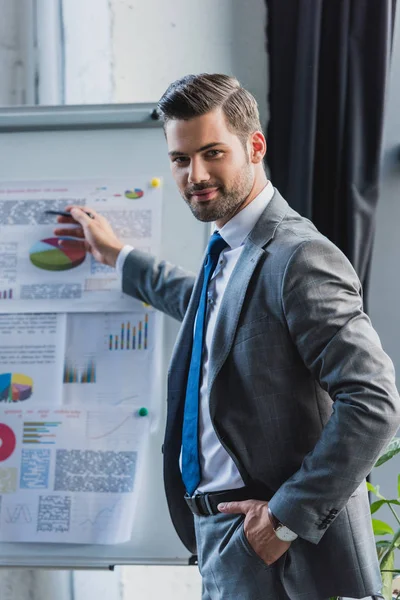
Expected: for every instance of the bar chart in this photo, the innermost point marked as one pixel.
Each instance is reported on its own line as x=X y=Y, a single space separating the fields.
x=6 y=294
x=40 y=432
x=131 y=336
x=74 y=373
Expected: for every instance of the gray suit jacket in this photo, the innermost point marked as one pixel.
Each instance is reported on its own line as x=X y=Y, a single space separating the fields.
x=302 y=395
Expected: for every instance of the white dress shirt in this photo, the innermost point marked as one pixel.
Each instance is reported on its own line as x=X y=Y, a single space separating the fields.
x=218 y=470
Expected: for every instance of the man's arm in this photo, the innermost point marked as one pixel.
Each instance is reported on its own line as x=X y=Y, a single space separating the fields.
x=166 y=287
x=321 y=298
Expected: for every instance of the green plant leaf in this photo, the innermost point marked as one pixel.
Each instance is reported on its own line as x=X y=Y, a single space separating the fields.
x=376 y=505
x=382 y=544
x=381 y=547
x=381 y=528
x=387 y=575
x=391 y=450
x=390 y=571
x=398 y=485
x=375 y=490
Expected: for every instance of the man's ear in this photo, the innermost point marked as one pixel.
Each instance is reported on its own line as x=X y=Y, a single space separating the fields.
x=258 y=147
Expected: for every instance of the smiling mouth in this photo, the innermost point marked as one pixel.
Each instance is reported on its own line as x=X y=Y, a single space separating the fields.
x=206 y=194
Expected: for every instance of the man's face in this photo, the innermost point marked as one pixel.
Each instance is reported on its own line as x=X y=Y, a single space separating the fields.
x=210 y=166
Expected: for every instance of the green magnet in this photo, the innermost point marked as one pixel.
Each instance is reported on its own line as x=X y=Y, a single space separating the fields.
x=143 y=412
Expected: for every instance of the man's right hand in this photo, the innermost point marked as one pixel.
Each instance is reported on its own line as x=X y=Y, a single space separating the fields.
x=95 y=233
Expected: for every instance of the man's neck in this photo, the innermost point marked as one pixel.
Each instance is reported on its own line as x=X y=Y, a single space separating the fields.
x=258 y=186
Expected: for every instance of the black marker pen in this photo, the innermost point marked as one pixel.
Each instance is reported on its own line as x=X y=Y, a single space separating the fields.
x=64 y=213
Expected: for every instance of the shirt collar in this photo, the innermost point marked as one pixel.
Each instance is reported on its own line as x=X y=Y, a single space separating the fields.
x=236 y=230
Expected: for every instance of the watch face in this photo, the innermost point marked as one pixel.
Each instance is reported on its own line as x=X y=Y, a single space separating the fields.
x=285 y=534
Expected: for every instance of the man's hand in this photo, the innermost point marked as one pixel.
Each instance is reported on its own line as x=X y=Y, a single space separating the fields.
x=258 y=528
x=94 y=233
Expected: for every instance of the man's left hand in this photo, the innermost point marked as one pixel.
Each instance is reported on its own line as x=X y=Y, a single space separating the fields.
x=258 y=528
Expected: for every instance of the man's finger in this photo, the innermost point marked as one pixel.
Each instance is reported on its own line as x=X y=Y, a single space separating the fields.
x=81 y=216
x=235 y=508
x=69 y=242
x=77 y=232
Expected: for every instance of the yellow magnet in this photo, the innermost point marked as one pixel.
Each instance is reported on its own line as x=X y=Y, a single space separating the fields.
x=155 y=182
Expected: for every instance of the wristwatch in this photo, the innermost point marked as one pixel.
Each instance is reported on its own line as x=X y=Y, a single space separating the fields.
x=282 y=532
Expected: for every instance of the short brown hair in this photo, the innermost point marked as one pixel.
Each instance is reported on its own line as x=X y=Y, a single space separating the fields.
x=196 y=95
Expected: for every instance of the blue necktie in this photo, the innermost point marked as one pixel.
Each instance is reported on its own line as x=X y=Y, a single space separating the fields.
x=191 y=474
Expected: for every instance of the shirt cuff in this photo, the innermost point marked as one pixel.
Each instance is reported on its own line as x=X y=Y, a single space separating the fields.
x=119 y=265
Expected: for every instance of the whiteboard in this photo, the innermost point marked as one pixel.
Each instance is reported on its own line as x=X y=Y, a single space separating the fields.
x=44 y=143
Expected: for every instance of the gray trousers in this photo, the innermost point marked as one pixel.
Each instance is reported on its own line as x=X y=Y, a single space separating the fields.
x=230 y=568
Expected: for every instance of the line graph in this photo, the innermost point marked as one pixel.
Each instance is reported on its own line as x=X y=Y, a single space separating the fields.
x=19 y=514
x=102 y=518
x=103 y=435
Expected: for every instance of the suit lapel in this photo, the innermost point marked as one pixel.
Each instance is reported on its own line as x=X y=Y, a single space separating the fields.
x=230 y=309
x=235 y=293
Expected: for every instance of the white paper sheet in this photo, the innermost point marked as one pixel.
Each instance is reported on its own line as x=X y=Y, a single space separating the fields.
x=31 y=359
x=69 y=476
x=112 y=359
x=38 y=274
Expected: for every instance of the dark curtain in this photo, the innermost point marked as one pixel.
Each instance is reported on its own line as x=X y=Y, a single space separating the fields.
x=328 y=62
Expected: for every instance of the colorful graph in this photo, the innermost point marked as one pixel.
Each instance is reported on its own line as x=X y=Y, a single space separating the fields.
x=15 y=387
x=130 y=336
x=8 y=441
x=48 y=254
x=134 y=194
x=6 y=294
x=40 y=432
x=85 y=374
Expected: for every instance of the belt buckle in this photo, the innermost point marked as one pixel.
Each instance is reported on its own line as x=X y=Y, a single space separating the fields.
x=200 y=505
x=191 y=501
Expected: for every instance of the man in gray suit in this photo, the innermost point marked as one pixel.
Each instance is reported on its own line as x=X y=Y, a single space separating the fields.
x=280 y=397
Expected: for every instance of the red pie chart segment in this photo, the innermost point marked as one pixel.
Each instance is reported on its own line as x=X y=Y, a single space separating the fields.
x=7 y=441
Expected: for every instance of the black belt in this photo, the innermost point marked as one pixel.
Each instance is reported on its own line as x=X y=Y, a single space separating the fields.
x=205 y=505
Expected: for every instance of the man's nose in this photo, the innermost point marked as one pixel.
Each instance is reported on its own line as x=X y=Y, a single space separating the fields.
x=198 y=172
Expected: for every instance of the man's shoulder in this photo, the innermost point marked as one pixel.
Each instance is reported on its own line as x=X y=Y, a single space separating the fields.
x=295 y=231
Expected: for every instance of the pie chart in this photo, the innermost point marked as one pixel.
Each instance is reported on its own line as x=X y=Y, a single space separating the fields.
x=15 y=387
x=50 y=255
x=134 y=194
x=7 y=441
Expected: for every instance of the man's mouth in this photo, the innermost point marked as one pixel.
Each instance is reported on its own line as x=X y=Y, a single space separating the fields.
x=205 y=194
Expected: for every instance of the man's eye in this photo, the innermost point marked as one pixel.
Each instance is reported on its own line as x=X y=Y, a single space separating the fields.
x=180 y=159
x=213 y=153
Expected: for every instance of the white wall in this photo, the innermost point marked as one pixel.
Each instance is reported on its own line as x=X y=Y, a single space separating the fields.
x=10 y=66
x=140 y=47
x=156 y=42
x=88 y=62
